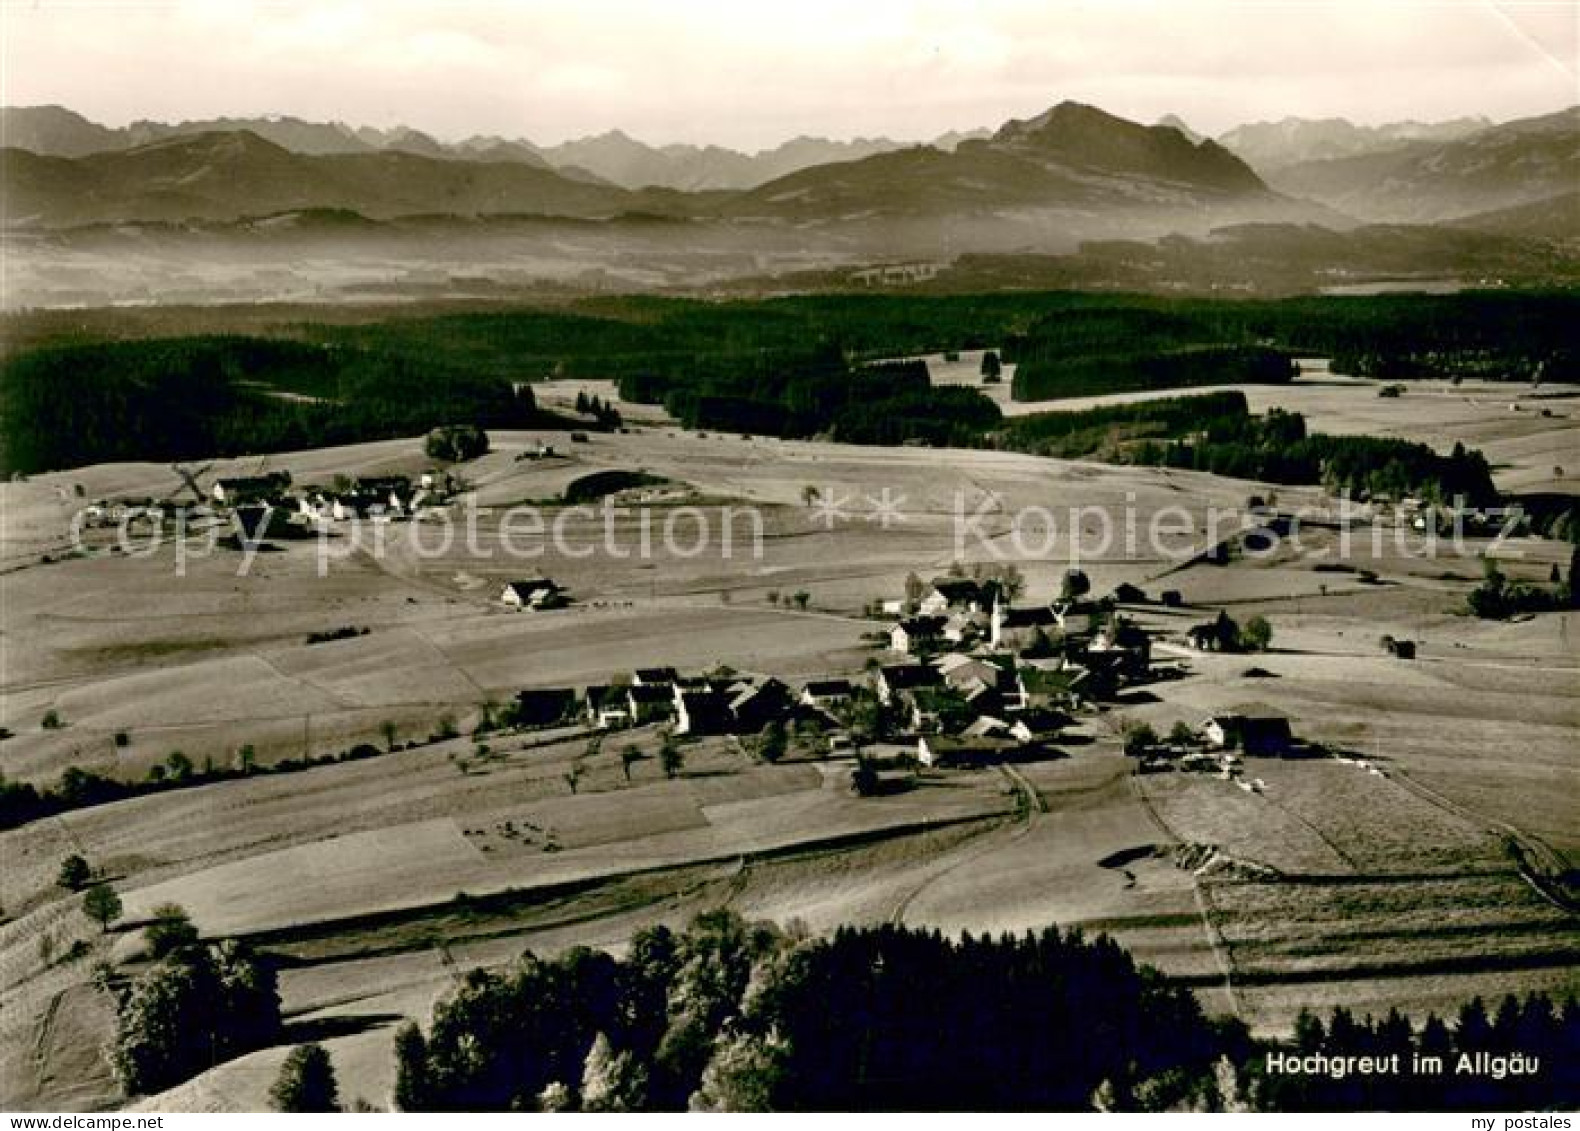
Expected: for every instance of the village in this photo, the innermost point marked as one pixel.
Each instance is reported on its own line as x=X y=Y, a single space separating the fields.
x=963 y=679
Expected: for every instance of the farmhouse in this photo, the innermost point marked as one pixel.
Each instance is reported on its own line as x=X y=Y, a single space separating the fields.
x=251 y=488
x=964 y=628
x=895 y=678
x=827 y=694
x=757 y=702
x=917 y=634
x=608 y=707
x=702 y=711
x=963 y=594
x=961 y=750
x=539 y=593
x=1217 y=635
x=1005 y=620
x=655 y=677
x=1131 y=644
x=1253 y=728
x=544 y=706
x=650 y=702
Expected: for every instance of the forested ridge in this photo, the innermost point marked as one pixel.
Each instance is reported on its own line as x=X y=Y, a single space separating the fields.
x=796 y=366
x=187 y=398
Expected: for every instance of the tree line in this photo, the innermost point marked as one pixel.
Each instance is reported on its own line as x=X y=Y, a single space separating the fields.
x=731 y=1015
x=186 y=398
x=1216 y=432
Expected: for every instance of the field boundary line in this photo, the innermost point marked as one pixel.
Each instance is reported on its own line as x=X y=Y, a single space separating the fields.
x=1216 y=941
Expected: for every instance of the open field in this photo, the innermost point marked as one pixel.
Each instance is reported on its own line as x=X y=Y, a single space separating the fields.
x=1394 y=888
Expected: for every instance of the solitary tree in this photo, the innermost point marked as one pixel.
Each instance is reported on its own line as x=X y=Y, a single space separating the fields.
x=411 y=1068
x=1256 y=635
x=306 y=1082
x=629 y=757
x=170 y=930
x=75 y=872
x=992 y=368
x=178 y=766
x=801 y=598
x=612 y=1081
x=1075 y=584
x=102 y=905
x=1139 y=739
x=390 y=732
x=773 y=742
x=671 y=757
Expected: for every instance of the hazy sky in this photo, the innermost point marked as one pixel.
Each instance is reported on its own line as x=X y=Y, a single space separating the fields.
x=751 y=73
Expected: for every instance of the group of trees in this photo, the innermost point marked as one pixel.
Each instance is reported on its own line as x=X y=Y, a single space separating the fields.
x=1498 y=598
x=815 y=390
x=757 y=366
x=456 y=443
x=731 y=1015
x=1216 y=432
x=607 y=416
x=196 y=1006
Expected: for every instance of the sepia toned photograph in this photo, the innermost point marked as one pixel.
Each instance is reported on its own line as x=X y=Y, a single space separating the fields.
x=1003 y=556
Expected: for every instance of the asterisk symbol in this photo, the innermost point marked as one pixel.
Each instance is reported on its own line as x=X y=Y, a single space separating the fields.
x=829 y=508
x=887 y=508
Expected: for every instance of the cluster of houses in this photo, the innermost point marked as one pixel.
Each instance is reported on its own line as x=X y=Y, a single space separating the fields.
x=386 y=496
x=717 y=703
x=973 y=680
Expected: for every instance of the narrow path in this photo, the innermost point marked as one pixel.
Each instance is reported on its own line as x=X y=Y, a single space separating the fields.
x=1221 y=951
x=1031 y=808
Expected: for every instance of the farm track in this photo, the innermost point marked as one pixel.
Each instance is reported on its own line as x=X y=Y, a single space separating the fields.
x=1222 y=952
x=1031 y=807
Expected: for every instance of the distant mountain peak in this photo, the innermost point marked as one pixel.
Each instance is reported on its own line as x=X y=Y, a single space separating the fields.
x=1085 y=135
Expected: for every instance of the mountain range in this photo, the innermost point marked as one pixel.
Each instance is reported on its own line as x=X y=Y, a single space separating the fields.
x=614 y=157
x=1072 y=158
x=1398 y=171
x=174 y=209
x=1500 y=167
x=1270 y=146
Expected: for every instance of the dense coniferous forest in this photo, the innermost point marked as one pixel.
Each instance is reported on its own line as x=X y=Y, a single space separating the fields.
x=733 y=1015
x=193 y=397
x=1046 y=373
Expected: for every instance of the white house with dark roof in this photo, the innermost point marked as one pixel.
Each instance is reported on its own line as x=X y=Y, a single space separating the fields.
x=537 y=593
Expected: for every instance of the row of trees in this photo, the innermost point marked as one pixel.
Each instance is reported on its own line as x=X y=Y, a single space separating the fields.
x=1216 y=432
